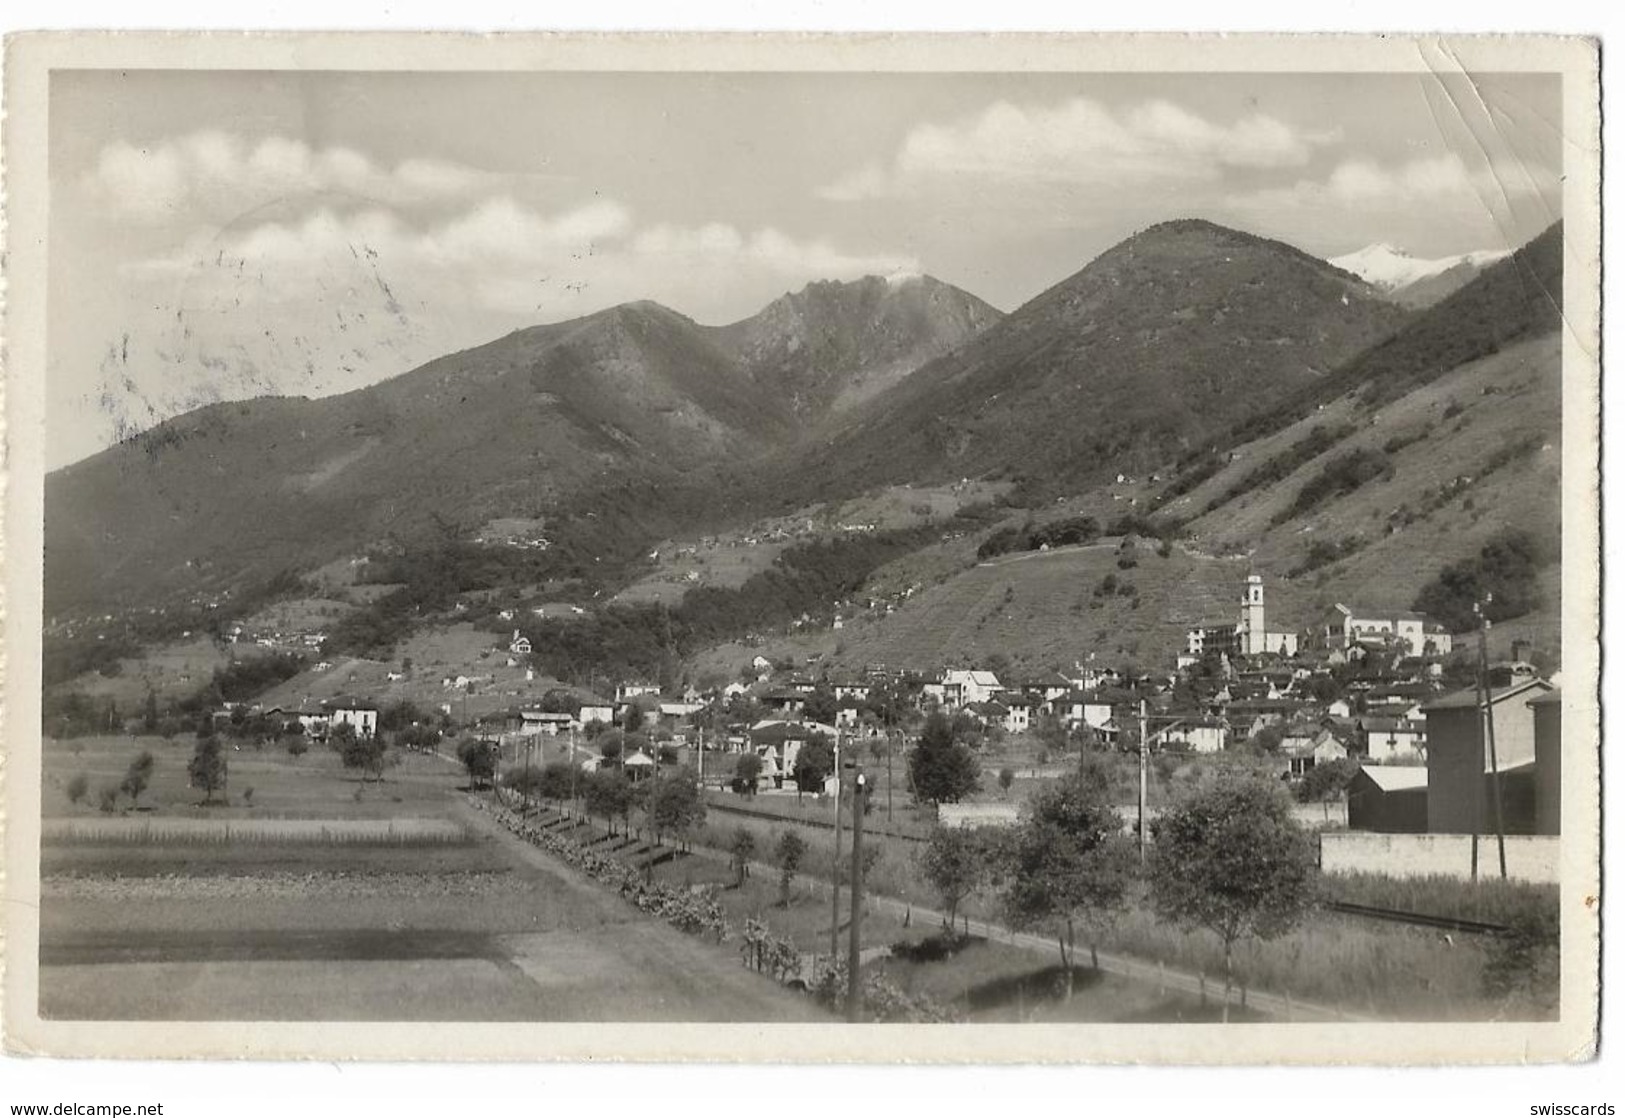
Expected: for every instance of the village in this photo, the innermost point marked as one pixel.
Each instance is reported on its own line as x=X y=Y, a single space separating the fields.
x=1374 y=721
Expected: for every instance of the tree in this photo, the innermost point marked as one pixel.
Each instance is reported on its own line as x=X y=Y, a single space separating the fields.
x=1068 y=863
x=632 y=717
x=747 y=771
x=298 y=745
x=1506 y=569
x=137 y=777
x=814 y=762
x=341 y=737
x=368 y=754
x=1007 y=777
x=1050 y=730
x=1268 y=739
x=557 y=700
x=955 y=862
x=741 y=849
x=1327 y=782
x=611 y=747
x=820 y=705
x=524 y=782
x=941 y=769
x=608 y=795
x=553 y=781
x=207 y=768
x=78 y=786
x=673 y=804
x=149 y=715
x=479 y=758
x=420 y=736
x=1230 y=858
x=788 y=852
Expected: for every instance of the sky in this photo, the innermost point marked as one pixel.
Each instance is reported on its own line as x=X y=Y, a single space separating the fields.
x=222 y=234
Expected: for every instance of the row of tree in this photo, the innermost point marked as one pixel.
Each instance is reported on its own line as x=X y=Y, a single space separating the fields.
x=667 y=804
x=1230 y=858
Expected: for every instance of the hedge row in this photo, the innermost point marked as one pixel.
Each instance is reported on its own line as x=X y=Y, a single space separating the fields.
x=696 y=911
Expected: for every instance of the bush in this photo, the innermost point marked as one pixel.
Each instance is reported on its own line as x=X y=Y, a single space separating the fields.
x=78 y=787
x=1342 y=475
x=1279 y=466
x=788 y=852
x=1324 y=552
x=1505 y=569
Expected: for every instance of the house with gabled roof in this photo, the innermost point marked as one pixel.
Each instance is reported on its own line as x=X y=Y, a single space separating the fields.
x=1392 y=739
x=1389 y=799
x=963 y=687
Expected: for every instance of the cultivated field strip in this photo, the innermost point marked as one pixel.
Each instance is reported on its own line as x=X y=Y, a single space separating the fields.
x=123 y=829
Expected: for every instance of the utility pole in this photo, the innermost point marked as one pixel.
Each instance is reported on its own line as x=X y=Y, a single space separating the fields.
x=1487 y=730
x=1145 y=746
x=891 y=743
x=572 y=776
x=854 y=1004
x=835 y=872
x=526 y=798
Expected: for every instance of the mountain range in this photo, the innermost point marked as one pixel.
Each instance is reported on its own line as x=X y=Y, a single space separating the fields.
x=1153 y=347
x=636 y=423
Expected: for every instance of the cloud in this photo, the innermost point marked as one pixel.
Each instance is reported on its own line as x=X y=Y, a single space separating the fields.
x=1442 y=183
x=1078 y=142
x=501 y=259
x=217 y=173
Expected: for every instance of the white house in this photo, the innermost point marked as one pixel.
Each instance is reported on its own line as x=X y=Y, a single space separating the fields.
x=595 y=712
x=963 y=687
x=1411 y=631
x=542 y=722
x=1198 y=736
x=519 y=645
x=1390 y=739
x=1018 y=718
x=364 y=719
x=1080 y=708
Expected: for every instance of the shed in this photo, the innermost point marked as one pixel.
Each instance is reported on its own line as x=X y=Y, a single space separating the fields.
x=1389 y=799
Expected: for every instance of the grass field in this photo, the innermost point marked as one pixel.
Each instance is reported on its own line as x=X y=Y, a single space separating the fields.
x=1474 y=411
x=1369 y=966
x=1050 y=609
x=409 y=908
x=315 y=785
x=171 y=671
x=728 y=559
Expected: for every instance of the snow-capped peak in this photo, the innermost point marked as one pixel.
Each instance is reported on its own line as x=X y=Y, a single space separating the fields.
x=1390 y=268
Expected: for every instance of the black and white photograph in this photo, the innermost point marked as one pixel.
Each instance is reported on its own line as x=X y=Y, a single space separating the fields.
x=759 y=534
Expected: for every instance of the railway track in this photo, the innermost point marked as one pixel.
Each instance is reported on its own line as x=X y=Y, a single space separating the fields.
x=1417 y=919
x=869 y=827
